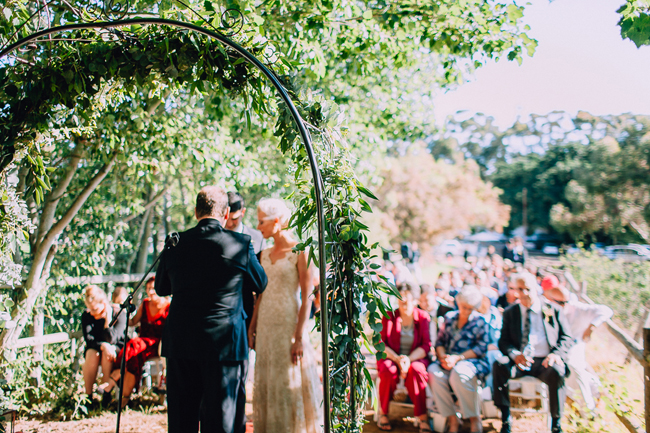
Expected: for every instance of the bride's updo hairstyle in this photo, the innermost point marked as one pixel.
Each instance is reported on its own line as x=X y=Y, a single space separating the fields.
x=275 y=208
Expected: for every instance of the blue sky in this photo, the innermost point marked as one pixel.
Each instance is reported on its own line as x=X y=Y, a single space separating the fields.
x=581 y=63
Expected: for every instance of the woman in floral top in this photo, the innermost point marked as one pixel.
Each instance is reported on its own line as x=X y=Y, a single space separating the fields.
x=461 y=347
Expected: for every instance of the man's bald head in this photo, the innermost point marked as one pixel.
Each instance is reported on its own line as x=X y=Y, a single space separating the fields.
x=212 y=202
x=557 y=294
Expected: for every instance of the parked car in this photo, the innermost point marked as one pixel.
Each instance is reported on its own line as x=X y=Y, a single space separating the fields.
x=572 y=249
x=450 y=247
x=538 y=240
x=645 y=246
x=551 y=249
x=628 y=253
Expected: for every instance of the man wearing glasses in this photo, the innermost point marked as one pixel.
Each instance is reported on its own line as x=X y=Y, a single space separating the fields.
x=542 y=326
x=582 y=318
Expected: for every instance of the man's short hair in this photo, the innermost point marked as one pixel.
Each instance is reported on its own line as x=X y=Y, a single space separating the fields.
x=211 y=201
x=235 y=201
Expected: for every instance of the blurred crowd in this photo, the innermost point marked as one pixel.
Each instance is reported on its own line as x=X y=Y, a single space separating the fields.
x=467 y=333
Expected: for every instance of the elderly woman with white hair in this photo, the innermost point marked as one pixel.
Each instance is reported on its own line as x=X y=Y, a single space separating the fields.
x=461 y=347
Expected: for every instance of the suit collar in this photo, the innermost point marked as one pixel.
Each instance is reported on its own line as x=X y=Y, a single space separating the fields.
x=209 y=222
x=535 y=308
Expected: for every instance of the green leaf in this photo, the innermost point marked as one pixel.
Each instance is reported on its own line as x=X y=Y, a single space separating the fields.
x=367 y=15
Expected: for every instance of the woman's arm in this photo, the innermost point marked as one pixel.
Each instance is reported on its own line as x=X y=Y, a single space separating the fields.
x=138 y=316
x=391 y=354
x=306 y=289
x=418 y=353
x=440 y=352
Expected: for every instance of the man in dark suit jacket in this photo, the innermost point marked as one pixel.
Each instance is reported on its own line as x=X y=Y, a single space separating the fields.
x=204 y=338
x=534 y=320
x=236 y=224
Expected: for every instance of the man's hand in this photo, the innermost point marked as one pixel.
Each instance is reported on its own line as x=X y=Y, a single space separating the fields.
x=551 y=360
x=522 y=361
x=404 y=364
x=587 y=334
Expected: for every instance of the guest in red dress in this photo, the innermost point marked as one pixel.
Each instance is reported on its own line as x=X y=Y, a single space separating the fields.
x=151 y=316
x=405 y=332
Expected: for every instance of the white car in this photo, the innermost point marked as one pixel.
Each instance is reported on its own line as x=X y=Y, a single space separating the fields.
x=450 y=247
x=627 y=253
x=551 y=250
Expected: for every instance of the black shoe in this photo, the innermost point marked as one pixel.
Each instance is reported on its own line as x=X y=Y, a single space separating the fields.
x=107 y=398
x=506 y=426
x=556 y=426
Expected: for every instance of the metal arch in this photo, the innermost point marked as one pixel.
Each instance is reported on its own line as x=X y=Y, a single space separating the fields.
x=304 y=134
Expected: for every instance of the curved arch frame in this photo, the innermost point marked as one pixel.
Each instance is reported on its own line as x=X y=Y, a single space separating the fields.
x=304 y=134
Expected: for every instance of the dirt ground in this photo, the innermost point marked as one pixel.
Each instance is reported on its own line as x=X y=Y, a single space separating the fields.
x=606 y=354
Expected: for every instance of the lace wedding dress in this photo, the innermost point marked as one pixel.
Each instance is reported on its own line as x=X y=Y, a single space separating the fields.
x=286 y=397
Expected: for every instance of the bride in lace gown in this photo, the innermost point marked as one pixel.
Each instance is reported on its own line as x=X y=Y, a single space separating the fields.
x=287 y=394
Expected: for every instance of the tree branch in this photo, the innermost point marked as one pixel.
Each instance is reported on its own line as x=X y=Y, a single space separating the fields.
x=52 y=200
x=146 y=206
x=78 y=202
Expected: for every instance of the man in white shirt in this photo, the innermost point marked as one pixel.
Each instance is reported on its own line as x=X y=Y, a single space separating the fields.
x=583 y=318
x=543 y=325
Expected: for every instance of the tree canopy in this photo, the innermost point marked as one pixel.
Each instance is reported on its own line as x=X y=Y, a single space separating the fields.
x=584 y=177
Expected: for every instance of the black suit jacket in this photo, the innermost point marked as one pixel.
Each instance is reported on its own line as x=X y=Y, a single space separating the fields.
x=259 y=244
x=258 y=241
x=558 y=332
x=206 y=274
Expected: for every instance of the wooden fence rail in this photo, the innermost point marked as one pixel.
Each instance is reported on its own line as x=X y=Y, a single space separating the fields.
x=639 y=352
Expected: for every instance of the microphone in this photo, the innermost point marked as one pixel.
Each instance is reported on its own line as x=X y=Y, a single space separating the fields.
x=172 y=240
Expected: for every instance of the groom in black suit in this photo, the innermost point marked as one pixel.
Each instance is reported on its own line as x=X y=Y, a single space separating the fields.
x=205 y=339
x=544 y=325
x=236 y=224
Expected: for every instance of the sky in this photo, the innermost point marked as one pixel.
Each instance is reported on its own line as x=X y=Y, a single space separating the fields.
x=581 y=64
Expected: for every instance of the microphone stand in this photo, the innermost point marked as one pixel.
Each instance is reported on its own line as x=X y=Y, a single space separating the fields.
x=128 y=307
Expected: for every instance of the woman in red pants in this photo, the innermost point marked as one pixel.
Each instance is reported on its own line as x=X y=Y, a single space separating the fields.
x=408 y=343
x=151 y=316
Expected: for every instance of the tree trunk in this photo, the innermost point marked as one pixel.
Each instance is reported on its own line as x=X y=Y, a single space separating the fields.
x=43 y=253
x=166 y=216
x=143 y=252
x=37 y=350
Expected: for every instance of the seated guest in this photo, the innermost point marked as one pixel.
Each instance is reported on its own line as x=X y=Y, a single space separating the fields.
x=543 y=325
x=494 y=322
x=429 y=304
x=507 y=299
x=102 y=341
x=151 y=316
x=119 y=295
x=405 y=332
x=483 y=283
x=461 y=347
x=582 y=318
